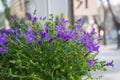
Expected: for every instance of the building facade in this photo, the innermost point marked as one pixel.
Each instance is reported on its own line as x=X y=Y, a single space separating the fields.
x=18 y=8
x=44 y=7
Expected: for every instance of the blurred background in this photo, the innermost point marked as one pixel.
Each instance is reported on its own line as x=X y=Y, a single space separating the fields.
x=103 y=15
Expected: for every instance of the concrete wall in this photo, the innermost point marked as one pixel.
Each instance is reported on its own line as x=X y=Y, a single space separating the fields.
x=57 y=7
x=46 y=7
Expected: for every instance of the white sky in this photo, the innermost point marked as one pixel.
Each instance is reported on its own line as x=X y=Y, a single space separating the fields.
x=115 y=1
x=112 y=1
x=1 y=7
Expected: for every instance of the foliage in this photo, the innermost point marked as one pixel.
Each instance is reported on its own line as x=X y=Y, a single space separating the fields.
x=52 y=52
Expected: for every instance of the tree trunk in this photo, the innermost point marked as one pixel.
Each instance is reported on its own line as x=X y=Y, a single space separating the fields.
x=98 y=26
x=118 y=38
x=7 y=11
x=116 y=23
x=71 y=11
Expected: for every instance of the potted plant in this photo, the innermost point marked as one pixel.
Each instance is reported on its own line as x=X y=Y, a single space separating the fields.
x=51 y=53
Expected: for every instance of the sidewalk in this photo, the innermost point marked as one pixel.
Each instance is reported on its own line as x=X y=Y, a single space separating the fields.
x=109 y=53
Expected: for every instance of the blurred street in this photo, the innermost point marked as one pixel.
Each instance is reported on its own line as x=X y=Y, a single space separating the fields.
x=108 y=53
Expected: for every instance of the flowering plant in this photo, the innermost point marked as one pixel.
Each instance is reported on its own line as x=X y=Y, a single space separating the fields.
x=51 y=53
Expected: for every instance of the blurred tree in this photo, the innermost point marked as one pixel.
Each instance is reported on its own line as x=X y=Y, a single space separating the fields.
x=2 y=20
x=7 y=11
x=12 y=19
x=101 y=23
x=116 y=23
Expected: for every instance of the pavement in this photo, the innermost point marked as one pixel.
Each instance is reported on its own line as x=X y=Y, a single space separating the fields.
x=109 y=53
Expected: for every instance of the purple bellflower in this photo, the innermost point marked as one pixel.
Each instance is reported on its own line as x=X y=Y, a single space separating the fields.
x=50 y=40
x=90 y=46
x=63 y=21
x=71 y=35
x=91 y=62
x=29 y=16
x=111 y=64
x=45 y=35
x=12 y=17
x=79 y=20
x=83 y=39
x=35 y=19
x=78 y=28
x=93 y=32
x=42 y=34
x=46 y=29
x=39 y=43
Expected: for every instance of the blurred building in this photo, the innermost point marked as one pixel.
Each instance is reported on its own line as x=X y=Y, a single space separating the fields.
x=18 y=8
x=44 y=7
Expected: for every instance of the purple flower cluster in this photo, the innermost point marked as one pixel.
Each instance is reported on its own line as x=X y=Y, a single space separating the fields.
x=3 y=49
x=63 y=34
x=45 y=35
x=15 y=33
x=3 y=42
x=3 y=39
x=86 y=39
x=10 y=31
x=30 y=36
x=32 y=18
